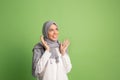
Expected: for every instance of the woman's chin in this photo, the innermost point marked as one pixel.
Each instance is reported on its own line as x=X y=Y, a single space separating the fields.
x=55 y=39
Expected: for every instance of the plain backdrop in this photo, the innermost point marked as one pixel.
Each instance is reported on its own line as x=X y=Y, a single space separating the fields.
x=92 y=26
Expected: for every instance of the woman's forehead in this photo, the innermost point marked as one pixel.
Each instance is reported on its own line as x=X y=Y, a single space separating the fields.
x=53 y=26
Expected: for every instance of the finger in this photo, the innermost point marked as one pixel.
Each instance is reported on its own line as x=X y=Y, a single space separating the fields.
x=64 y=43
x=67 y=43
x=42 y=39
x=61 y=45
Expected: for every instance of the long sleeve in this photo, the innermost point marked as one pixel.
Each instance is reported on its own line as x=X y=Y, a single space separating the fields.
x=66 y=62
x=36 y=55
x=42 y=62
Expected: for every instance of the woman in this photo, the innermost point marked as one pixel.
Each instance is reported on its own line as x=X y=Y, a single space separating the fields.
x=50 y=58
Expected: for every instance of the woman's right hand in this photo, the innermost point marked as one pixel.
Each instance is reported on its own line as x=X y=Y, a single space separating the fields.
x=45 y=43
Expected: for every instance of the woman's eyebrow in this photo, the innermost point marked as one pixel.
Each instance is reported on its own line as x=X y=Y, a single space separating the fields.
x=51 y=29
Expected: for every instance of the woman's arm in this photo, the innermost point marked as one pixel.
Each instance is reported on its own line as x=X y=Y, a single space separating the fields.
x=65 y=58
x=66 y=62
x=40 y=62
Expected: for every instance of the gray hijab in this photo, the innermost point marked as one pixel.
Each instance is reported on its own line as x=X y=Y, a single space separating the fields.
x=51 y=44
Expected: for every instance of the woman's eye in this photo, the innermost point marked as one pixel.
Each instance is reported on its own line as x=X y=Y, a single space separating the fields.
x=50 y=30
x=57 y=29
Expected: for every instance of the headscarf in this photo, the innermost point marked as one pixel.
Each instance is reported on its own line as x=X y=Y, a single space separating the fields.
x=51 y=44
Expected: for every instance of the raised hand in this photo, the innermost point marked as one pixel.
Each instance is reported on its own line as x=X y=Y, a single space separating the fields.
x=44 y=43
x=64 y=46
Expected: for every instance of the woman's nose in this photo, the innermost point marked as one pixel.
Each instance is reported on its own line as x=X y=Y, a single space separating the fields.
x=56 y=32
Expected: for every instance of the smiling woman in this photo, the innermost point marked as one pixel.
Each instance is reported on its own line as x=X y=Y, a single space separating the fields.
x=50 y=58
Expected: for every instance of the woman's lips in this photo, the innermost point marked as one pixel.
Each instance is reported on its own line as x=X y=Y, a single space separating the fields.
x=55 y=36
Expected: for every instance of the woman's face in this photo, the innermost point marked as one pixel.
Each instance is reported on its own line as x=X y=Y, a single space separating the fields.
x=53 y=32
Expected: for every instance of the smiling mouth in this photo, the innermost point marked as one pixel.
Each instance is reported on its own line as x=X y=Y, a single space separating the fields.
x=55 y=36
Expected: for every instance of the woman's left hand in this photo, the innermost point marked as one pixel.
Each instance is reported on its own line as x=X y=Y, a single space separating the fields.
x=64 y=46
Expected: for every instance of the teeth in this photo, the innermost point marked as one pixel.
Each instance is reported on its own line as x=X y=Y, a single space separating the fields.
x=54 y=36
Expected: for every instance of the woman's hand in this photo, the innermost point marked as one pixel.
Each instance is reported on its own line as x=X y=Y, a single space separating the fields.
x=64 y=46
x=45 y=43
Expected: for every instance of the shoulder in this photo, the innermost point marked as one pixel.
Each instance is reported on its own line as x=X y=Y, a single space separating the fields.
x=38 y=45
